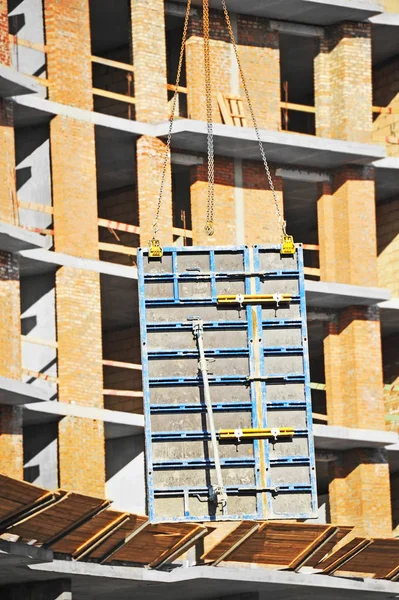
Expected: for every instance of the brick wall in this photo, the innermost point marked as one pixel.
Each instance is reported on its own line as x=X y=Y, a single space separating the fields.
x=346 y=223
x=261 y=225
x=220 y=63
x=353 y=369
x=224 y=213
x=259 y=53
x=390 y=353
x=395 y=502
x=150 y=156
x=119 y=205
x=386 y=93
x=359 y=492
x=78 y=306
x=149 y=58
x=11 y=453
x=260 y=57
x=80 y=379
x=124 y=346
x=388 y=245
x=343 y=90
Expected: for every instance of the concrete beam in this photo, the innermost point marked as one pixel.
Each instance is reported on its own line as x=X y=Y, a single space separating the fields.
x=37 y=261
x=281 y=148
x=206 y=582
x=17 y=554
x=328 y=437
x=315 y=12
x=301 y=175
x=296 y=29
x=13 y=83
x=117 y=424
x=15 y=239
x=339 y=295
x=17 y=393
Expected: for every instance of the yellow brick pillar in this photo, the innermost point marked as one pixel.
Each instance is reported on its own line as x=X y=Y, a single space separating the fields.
x=81 y=441
x=150 y=81
x=11 y=453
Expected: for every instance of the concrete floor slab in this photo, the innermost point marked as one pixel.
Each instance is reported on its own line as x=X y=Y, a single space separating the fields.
x=339 y=295
x=315 y=12
x=280 y=147
x=328 y=437
x=17 y=393
x=13 y=83
x=15 y=239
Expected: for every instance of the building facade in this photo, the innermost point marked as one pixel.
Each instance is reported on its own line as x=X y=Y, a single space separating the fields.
x=86 y=88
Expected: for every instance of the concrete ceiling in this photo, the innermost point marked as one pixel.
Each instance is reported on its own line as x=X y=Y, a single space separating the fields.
x=314 y=12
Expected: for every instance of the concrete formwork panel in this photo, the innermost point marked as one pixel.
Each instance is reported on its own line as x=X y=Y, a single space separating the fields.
x=257 y=358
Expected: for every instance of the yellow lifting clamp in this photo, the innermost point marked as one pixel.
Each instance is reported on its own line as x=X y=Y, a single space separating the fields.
x=288 y=246
x=155 y=249
x=242 y=299
x=236 y=435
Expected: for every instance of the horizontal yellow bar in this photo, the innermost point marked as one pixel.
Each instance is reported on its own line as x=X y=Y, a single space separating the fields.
x=255 y=433
x=253 y=298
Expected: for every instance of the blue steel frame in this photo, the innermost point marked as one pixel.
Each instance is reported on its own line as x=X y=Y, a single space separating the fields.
x=171 y=409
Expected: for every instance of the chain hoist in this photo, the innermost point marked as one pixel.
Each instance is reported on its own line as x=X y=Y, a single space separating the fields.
x=155 y=250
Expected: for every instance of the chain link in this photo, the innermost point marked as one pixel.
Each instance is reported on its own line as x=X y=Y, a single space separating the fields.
x=209 y=227
x=155 y=225
x=280 y=219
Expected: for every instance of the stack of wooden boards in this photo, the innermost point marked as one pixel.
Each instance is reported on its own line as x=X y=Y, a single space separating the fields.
x=80 y=527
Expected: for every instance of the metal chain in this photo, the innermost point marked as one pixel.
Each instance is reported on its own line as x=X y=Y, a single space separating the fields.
x=155 y=225
x=280 y=219
x=209 y=226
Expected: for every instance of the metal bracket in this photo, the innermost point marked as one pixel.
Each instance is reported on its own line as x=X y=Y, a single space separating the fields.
x=154 y=250
x=237 y=435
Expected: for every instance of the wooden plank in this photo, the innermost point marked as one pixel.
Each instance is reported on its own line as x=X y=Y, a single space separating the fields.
x=36 y=207
x=39 y=80
x=127 y=531
x=320 y=417
x=152 y=541
x=112 y=63
x=386 y=110
x=184 y=232
x=122 y=365
x=328 y=546
x=315 y=272
x=230 y=537
x=234 y=113
x=378 y=559
x=118 y=249
x=343 y=555
x=392 y=140
x=39 y=342
x=233 y=541
x=32 y=45
x=311 y=247
x=180 y=89
x=38 y=230
x=39 y=375
x=308 y=552
x=127 y=393
x=184 y=544
x=118 y=226
x=100 y=536
x=278 y=544
x=241 y=111
x=298 y=107
x=113 y=96
x=224 y=109
x=47 y=525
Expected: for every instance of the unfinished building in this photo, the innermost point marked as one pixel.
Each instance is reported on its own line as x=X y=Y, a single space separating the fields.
x=86 y=88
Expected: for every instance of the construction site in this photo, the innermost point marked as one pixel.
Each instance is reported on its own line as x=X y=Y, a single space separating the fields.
x=199 y=299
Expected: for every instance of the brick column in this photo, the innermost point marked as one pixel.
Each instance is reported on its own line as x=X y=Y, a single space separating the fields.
x=11 y=453
x=360 y=492
x=346 y=222
x=224 y=215
x=353 y=369
x=149 y=57
x=261 y=226
x=343 y=89
x=260 y=56
x=81 y=441
x=220 y=63
x=388 y=245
